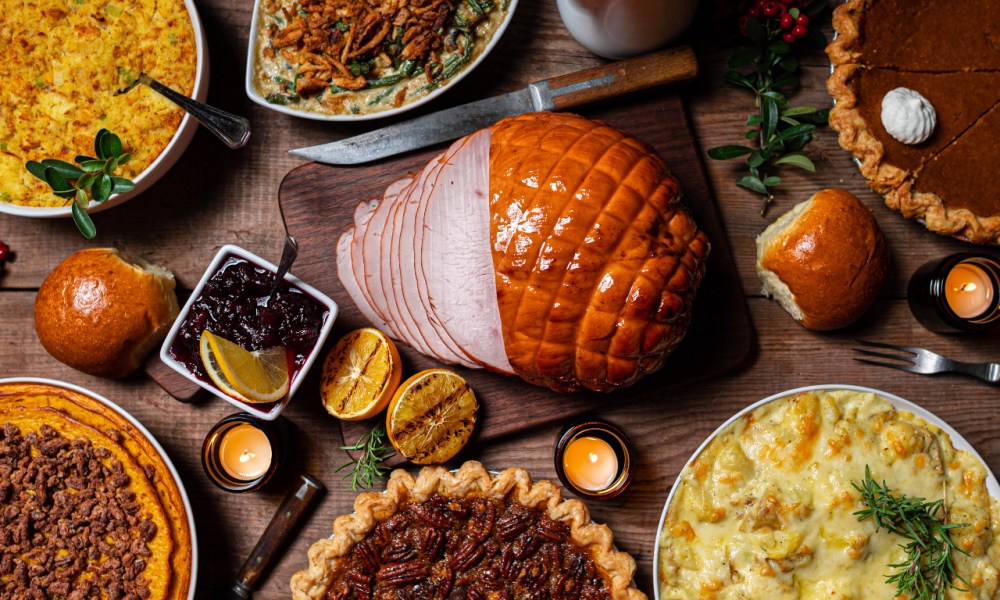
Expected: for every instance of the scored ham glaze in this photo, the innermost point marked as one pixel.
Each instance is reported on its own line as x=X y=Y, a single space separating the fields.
x=548 y=246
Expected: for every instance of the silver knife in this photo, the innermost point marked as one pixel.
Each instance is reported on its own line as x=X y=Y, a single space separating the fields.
x=557 y=93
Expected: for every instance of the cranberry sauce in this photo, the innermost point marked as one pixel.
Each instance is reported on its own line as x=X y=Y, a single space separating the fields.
x=235 y=303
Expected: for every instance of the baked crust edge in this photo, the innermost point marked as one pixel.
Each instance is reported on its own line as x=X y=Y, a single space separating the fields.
x=472 y=478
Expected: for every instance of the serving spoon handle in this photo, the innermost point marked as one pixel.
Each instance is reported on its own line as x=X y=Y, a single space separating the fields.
x=231 y=129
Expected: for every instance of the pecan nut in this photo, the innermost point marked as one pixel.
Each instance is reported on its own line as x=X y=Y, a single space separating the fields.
x=402 y=573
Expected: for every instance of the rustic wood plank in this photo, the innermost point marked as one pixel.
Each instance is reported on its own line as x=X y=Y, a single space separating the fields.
x=214 y=196
x=720 y=335
x=664 y=432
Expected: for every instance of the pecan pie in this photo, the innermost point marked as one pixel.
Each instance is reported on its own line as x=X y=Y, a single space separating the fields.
x=88 y=508
x=468 y=535
x=949 y=52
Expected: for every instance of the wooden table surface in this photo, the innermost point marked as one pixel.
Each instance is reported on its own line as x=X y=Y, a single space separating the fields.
x=215 y=196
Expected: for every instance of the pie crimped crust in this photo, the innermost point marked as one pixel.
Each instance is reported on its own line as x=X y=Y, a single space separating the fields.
x=471 y=481
x=948 y=53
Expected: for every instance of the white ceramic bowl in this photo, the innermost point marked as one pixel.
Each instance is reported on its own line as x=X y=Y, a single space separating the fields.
x=159 y=449
x=275 y=409
x=254 y=95
x=992 y=485
x=174 y=149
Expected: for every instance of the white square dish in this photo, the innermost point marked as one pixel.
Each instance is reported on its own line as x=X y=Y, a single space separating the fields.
x=273 y=410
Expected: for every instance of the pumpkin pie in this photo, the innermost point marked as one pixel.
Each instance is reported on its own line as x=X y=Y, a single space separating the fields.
x=466 y=534
x=949 y=52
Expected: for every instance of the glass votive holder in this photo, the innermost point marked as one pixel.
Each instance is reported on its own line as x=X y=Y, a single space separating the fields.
x=957 y=293
x=242 y=452
x=593 y=459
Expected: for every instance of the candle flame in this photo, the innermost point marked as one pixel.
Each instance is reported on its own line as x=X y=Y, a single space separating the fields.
x=247 y=456
x=593 y=457
x=967 y=287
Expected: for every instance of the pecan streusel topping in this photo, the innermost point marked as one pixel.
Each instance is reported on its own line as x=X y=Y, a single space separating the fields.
x=69 y=524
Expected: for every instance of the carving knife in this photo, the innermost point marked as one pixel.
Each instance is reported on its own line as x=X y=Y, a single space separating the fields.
x=558 y=93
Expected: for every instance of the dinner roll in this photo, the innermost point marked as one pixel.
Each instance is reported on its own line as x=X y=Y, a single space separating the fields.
x=101 y=311
x=824 y=261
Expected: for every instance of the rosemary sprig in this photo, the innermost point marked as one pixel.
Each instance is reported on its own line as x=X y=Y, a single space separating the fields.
x=779 y=132
x=369 y=466
x=928 y=571
x=91 y=179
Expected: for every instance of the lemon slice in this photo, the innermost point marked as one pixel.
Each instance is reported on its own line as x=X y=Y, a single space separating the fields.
x=431 y=416
x=360 y=375
x=256 y=376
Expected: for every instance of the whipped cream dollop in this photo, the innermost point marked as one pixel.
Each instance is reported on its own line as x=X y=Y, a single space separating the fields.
x=908 y=116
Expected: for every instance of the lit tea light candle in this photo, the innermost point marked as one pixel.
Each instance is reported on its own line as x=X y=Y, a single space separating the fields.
x=957 y=293
x=245 y=452
x=241 y=452
x=969 y=290
x=590 y=463
x=593 y=459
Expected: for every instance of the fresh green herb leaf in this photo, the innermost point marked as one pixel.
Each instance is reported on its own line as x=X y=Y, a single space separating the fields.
x=67 y=170
x=795 y=130
x=56 y=180
x=83 y=222
x=93 y=179
x=752 y=183
x=35 y=168
x=101 y=188
x=765 y=64
x=120 y=185
x=369 y=466
x=928 y=571
x=111 y=146
x=727 y=152
x=797 y=159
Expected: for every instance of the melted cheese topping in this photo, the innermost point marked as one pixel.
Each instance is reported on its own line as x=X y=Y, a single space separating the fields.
x=766 y=510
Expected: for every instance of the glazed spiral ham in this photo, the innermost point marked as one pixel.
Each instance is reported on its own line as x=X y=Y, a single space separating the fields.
x=548 y=246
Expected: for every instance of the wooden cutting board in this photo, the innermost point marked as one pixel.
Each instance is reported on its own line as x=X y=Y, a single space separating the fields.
x=319 y=201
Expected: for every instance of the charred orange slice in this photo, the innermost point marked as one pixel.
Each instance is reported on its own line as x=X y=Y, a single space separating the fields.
x=432 y=416
x=360 y=375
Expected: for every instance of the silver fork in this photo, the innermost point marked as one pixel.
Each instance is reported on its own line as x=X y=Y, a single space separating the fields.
x=925 y=362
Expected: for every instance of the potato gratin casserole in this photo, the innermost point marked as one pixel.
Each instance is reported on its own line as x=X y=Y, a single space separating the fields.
x=62 y=62
x=766 y=510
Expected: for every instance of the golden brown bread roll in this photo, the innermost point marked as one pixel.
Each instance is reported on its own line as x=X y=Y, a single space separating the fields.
x=102 y=311
x=596 y=259
x=824 y=261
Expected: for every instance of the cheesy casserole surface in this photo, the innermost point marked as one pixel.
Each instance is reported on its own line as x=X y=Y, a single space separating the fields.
x=766 y=509
x=62 y=62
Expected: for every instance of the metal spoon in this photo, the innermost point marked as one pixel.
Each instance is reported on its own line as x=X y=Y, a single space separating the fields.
x=231 y=129
x=288 y=256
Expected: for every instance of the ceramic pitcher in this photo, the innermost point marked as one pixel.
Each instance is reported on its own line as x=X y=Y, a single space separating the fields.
x=621 y=28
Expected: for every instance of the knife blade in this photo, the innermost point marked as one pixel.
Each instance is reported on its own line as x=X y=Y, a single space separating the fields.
x=557 y=93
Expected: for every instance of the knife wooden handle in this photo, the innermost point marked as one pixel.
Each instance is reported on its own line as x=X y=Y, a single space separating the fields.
x=631 y=75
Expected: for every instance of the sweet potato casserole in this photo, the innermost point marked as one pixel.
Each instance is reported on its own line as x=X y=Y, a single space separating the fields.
x=767 y=509
x=64 y=60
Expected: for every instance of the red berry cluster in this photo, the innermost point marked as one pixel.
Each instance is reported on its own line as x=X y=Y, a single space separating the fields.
x=794 y=27
x=5 y=254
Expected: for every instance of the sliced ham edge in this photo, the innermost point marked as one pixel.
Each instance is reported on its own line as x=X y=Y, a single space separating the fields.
x=407 y=265
x=456 y=258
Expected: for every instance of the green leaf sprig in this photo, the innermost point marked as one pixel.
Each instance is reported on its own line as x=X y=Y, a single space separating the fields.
x=764 y=65
x=369 y=466
x=92 y=179
x=928 y=571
